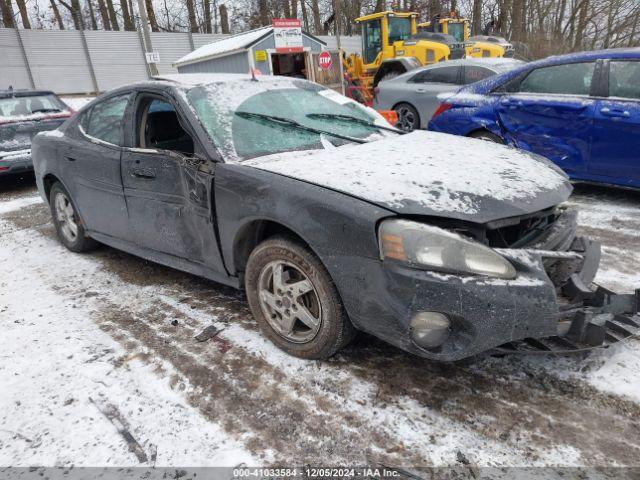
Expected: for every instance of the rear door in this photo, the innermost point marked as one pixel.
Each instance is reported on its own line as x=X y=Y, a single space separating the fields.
x=615 y=153
x=550 y=112
x=92 y=162
x=424 y=88
x=167 y=183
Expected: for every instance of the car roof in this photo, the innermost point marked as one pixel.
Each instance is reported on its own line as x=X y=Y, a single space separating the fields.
x=481 y=62
x=196 y=79
x=24 y=93
x=612 y=53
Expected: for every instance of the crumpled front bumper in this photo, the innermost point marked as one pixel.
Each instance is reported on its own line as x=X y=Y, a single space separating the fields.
x=551 y=306
x=588 y=317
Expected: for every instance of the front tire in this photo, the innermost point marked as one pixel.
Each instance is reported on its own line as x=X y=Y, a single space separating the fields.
x=408 y=117
x=67 y=221
x=294 y=300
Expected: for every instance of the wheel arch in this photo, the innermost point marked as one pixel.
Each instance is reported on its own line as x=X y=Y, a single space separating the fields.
x=254 y=232
x=47 y=182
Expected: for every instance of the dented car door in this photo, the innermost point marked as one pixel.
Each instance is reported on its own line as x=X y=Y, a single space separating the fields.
x=169 y=194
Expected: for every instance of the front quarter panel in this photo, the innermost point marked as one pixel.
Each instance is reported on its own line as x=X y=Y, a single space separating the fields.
x=340 y=230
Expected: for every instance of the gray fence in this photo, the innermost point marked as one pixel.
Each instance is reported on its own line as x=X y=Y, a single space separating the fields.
x=71 y=61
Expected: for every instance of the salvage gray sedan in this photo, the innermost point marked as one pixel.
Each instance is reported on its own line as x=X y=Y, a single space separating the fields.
x=414 y=95
x=330 y=219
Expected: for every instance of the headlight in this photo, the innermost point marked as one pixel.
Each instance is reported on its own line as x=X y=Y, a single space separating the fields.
x=432 y=248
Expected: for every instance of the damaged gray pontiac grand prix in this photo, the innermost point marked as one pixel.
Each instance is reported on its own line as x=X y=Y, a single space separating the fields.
x=331 y=220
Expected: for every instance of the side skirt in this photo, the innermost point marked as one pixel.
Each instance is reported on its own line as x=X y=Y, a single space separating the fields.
x=167 y=260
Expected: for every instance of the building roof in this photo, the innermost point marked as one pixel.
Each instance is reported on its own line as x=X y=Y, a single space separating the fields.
x=231 y=44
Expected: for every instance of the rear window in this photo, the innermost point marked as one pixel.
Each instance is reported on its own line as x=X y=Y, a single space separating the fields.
x=31 y=105
x=437 y=75
x=624 y=79
x=475 y=74
x=569 y=79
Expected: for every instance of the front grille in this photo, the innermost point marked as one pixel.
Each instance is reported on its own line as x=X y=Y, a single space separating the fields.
x=523 y=232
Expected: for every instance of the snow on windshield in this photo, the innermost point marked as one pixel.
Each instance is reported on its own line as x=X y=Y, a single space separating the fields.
x=239 y=138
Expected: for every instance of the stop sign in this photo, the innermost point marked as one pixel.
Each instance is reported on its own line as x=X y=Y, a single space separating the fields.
x=324 y=60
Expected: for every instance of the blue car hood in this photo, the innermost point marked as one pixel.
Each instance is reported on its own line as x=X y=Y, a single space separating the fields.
x=427 y=173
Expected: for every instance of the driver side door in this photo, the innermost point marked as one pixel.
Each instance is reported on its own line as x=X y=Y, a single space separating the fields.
x=167 y=184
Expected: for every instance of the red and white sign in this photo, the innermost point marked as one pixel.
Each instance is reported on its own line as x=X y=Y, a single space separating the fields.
x=288 y=35
x=324 y=60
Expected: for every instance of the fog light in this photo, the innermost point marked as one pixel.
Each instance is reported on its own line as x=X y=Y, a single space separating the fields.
x=429 y=329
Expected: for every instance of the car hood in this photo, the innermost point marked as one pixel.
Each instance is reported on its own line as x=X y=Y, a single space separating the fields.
x=427 y=173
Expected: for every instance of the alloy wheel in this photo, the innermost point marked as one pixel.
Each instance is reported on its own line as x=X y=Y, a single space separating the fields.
x=66 y=217
x=289 y=301
x=406 y=119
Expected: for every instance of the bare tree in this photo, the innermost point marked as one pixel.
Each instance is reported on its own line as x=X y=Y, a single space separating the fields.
x=112 y=15
x=92 y=16
x=224 y=19
x=7 y=14
x=193 y=21
x=24 y=15
x=151 y=15
x=56 y=14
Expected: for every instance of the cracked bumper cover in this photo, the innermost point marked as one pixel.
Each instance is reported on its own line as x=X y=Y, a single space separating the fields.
x=549 y=307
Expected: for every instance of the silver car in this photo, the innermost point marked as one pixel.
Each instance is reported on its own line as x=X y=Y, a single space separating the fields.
x=414 y=95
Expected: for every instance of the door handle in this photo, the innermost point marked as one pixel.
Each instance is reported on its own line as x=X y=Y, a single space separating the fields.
x=71 y=159
x=607 y=112
x=146 y=173
x=421 y=90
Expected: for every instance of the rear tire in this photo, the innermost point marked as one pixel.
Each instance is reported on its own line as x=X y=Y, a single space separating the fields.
x=487 y=137
x=68 y=225
x=408 y=117
x=294 y=300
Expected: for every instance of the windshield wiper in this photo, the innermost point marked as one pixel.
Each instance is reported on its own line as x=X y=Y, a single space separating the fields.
x=360 y=121
x=287 y=122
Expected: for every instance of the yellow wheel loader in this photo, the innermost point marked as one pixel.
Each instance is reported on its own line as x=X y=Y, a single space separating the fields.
x=392 y=45
x=477 y=46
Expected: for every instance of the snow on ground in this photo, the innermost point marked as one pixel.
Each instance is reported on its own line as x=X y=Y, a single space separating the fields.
x=104 y=341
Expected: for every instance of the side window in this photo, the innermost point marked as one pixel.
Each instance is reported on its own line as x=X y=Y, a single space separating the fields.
x=159 y=127
x=437 y=75
x=571 y=79
x=475 y=74
x=371 y=40
x=624 y=79
x=104 y=120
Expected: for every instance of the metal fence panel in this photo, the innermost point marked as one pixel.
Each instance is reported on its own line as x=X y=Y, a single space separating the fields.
x=13 y=71
x=58 y=60
x=200 y=39
x=117 y=58
x=170 y=46
x=348 y=44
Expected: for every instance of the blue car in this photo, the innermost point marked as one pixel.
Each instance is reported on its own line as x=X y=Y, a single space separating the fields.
x=581 y=111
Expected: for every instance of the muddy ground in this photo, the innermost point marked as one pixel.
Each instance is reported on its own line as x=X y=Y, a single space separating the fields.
x=372 y=403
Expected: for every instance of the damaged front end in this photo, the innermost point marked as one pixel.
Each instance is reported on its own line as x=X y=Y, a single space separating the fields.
x=589 y=316
x=522 y=284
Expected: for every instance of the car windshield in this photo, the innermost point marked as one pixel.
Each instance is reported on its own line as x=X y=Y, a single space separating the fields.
x=247 y=119
x=30 y=105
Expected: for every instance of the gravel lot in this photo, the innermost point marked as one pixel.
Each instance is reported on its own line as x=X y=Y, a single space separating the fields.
x=99 y=344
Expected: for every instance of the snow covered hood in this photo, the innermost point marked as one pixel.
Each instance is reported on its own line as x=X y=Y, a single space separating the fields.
x=427 y=173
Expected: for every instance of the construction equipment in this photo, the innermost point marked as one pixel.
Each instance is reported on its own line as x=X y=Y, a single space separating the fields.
x=477 y=46
x=391 y=45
